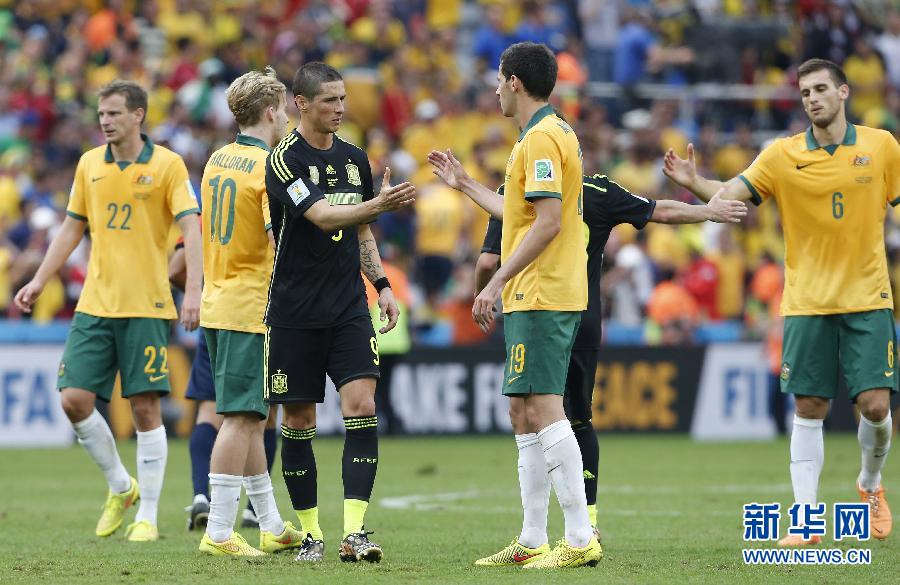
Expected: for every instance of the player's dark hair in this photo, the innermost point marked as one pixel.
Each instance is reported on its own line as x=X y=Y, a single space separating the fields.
x=135 y=95
x=834 y=71
x=534 y=65
x=309 y=79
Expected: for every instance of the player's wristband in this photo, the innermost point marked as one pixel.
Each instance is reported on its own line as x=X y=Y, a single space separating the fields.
x=381 y=284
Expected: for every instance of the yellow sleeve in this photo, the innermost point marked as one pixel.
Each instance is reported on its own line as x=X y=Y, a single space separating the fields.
x=543 y=166
x=267 y=215
x=181 y=197
x=892 y=170
x=77 y=206
x=760 y=175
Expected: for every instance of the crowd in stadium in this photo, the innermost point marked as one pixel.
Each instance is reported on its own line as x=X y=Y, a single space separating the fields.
x=420 y=75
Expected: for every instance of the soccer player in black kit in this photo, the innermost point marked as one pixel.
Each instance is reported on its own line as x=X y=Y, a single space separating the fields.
x=322 y=199
x=606 y=205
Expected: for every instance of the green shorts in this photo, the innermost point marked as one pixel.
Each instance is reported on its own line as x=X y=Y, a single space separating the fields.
x=97 y=347
x=864 y=344
x=538 y=346
x=236 y=360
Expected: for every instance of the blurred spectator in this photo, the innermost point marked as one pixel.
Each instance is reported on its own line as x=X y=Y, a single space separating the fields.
x=600 y=30
x=866 y=75
x=888 y=44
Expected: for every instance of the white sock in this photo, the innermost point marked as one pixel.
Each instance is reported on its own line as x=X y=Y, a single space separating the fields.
x=224 y=497
x=152 y=452
x=563 y=457
x=94 y=434
x=262 y=496
x=807 y=457
x=534 y=484
x=875 y=441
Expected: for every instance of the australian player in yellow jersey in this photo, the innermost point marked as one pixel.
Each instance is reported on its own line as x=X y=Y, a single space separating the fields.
x=832 y=185
x=127 y=193
x=238 y=251
x=543 y=280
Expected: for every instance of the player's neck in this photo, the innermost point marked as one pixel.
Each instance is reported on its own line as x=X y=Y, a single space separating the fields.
x=833 y=133
x=320 y=140
x=526 y=109
x=128 y=149
x=261 y=132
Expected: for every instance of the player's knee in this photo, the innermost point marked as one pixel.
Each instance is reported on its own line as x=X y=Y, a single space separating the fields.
x=146 y=413
x=300 y=416
x=875 y=410
x=517 y=417
x=362 y=406
x=811 y=407
x=77 y=408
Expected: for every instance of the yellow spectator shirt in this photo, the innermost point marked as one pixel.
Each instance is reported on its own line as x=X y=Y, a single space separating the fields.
x=129 y=208
x=545 y=162
x=237 y=257
x=832 y=201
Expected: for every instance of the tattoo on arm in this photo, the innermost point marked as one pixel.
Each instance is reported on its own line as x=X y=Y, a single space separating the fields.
x=370 y=260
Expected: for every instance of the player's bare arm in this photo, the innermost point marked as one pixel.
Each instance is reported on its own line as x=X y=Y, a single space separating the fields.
x=193 y=283
x=546 y=226
x=683 y=172
x=485 y=267
x=450 y=170
x=370 y=263
x=61 y=247
x=177 y=269
x=718 y=210
x=329 y=218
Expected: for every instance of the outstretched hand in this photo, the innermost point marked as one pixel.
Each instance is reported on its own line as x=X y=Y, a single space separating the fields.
x=447 y=168
x=726 y=210
x=680 y=171
x=397 y=196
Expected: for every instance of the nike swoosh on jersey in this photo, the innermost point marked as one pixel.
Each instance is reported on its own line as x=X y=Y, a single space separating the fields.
x=95 y=179
x=157 y=378
x=513 y=379
x=889 y=374
x=799 y=166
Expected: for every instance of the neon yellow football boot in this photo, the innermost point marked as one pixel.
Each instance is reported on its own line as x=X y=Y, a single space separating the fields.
x=514 y=554
x=565 y=556
x=114 y=509
x=235 y=546
x=288 y=539
x=142 y=531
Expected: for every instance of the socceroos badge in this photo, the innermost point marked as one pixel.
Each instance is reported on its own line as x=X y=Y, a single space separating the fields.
x=785 y=371
x=353 y=175
x=279 y=383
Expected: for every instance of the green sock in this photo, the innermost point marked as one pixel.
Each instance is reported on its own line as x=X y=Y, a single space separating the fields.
x=354 y=516
x=309 y=523
x=592 y=514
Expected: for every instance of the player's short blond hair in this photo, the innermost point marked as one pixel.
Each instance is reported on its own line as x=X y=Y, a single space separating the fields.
x=250 y=94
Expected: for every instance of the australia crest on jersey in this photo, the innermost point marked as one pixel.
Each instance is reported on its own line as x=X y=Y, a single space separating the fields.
x=353 y=175
x=314 y=174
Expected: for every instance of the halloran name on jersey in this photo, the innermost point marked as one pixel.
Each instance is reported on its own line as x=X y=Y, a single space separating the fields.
x=233 y=162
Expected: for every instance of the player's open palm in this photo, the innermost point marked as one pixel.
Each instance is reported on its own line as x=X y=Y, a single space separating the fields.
x=396 y=196
x=447 y=168
x=726 y=210
x=681 y=171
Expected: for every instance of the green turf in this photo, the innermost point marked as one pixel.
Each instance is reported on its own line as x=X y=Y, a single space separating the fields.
x=670 y=512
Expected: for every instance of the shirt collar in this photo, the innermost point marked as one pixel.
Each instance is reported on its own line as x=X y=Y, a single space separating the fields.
x=246 y=140
x=143 y=158
x=849 y=138
x=539 y=115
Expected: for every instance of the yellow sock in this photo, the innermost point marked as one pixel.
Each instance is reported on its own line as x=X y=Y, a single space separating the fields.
x=354 y=516
x=592 y=514
x=309 y=523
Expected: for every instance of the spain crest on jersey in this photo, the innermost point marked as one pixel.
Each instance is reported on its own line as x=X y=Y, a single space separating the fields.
x=353 y=175
x=314 y=174
x=279 y=383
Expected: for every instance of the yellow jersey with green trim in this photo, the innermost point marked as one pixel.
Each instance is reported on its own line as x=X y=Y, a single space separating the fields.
x=129 y=208
x=832 y=201
x=237 y=257
x=545 y=162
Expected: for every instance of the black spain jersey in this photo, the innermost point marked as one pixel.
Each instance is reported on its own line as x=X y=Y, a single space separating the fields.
x=606 y=205
x=316 y=281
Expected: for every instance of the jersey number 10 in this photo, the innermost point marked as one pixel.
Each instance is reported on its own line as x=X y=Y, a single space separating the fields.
x=221 y=189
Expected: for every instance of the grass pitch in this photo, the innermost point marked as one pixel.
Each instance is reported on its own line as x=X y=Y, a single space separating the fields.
x=670 y=512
